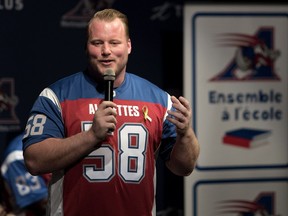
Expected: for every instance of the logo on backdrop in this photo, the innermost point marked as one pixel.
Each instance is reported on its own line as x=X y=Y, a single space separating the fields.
x=254 y=56
x=253 y=60
x=263 y=205
x=166 y=10
x=82 y=12
x=246 y=137
x=8 y=101
x=16 y=5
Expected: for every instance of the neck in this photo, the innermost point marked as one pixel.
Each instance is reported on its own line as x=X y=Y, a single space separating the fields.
x=98 y=77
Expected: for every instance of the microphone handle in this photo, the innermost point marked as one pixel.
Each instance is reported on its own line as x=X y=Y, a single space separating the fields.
x=109 y=95
x=109 y=91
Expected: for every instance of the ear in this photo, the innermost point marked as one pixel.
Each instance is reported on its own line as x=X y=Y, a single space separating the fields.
x=129 y=46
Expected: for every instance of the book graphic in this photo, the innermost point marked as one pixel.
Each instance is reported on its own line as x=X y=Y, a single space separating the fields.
x=247 y=137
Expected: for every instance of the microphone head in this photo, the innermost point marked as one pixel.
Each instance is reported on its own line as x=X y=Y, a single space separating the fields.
x=109 y=75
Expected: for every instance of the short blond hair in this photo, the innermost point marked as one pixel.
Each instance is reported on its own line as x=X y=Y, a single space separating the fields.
x=110 y=15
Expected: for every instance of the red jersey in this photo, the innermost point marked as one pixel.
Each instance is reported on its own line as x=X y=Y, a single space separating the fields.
x=119 y=177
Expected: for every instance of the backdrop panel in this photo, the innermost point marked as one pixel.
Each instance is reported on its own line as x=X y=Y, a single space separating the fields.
x=235 y=74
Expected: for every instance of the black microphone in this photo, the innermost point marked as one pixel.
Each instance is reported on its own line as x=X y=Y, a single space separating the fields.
x=109 y=77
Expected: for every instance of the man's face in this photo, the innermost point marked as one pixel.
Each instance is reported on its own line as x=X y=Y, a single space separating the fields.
x=108 y=47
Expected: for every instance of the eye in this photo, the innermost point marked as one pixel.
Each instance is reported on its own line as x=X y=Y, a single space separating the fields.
x=96 y=42
x=115 y=42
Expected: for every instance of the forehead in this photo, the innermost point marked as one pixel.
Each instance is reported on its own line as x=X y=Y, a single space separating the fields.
x=99 y=27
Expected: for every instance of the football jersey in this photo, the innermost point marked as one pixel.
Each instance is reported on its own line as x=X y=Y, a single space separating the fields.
x=25 y=188
x=119 y=178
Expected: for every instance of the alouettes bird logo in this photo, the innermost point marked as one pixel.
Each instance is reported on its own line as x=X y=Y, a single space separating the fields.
x=254 y=56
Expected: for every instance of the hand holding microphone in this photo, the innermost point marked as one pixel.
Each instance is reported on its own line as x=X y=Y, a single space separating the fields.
x=104 y=120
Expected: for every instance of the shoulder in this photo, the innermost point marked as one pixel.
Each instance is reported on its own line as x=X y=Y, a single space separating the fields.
x=137 y=79
x=143 y=84
x=71 y=87
x=76 y=77
x=146 y=90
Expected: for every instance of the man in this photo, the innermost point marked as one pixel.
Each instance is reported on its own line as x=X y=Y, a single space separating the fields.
x=102 y=153
x=23 y=194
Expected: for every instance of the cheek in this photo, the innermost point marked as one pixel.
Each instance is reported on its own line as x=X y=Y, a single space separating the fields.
x=121 y=53
x=92 y=51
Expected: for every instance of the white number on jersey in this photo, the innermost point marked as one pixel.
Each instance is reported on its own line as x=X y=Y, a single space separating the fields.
x=35 y=125
x=27 y=183
x=132 y=145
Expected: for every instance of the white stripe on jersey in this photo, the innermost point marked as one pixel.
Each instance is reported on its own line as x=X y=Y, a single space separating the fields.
x=55 y=206
x=48 y=93
x=13 y=156
x=169 y=106
x=155 y=184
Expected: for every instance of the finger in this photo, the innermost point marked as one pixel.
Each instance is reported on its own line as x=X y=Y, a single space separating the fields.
x=105 y=104
x=181 y=105
x=110 y=111
x=111 y=119
x=181 y=122
x=179 y=125
x=111 y=124
x=177 y=115
x=175 y=100
x=185 y=102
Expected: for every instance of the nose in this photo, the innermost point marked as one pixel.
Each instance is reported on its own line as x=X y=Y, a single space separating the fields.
x=105 y=49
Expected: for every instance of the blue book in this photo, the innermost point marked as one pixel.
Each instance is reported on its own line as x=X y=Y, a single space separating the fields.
x=249 y=133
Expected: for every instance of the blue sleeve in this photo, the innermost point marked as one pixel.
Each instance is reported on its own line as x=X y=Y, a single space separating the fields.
x=45 y=120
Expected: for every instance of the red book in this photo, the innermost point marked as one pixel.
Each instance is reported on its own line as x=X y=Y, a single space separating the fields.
x=242 y=142
x=249 y=133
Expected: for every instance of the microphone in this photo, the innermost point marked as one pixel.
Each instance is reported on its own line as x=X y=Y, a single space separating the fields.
x=109 y=77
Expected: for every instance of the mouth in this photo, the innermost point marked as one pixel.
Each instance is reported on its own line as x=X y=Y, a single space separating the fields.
x=106 y=61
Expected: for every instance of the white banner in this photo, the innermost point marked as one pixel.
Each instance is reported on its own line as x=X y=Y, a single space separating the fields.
x=236 y=76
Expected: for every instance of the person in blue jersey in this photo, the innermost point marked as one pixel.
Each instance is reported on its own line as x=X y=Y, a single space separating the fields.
x=23 y=194
x=102 y=153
